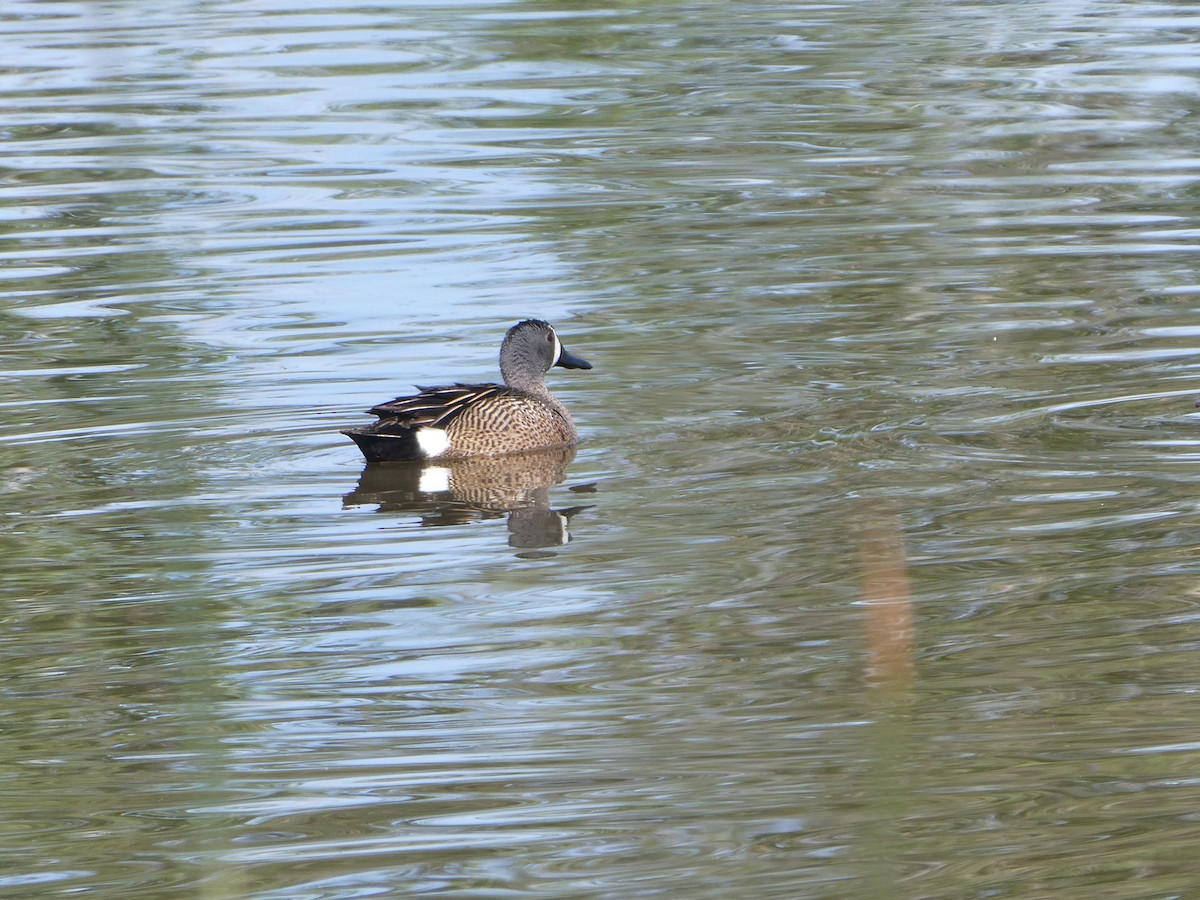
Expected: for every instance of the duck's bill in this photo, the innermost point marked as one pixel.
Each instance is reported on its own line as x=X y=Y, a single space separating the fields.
x=569 y=360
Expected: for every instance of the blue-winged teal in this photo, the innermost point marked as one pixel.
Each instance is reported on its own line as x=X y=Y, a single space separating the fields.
x=480 y=419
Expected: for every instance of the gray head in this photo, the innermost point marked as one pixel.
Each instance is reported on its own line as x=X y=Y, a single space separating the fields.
x=530 y=350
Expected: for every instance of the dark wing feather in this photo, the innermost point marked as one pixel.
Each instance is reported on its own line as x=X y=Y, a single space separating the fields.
x=434 y=407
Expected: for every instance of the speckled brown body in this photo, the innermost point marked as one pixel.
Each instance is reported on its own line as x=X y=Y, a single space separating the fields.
x=510 y=422
x=465 y=420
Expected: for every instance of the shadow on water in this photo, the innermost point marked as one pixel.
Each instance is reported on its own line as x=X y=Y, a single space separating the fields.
x=460 y=491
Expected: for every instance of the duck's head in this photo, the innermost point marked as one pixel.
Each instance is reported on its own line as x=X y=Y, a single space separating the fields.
x=530 y=349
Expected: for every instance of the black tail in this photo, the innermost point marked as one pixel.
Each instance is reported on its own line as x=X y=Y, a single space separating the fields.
x=378 y=447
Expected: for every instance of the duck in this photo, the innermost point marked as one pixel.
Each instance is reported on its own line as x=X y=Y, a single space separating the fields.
x=464 y=420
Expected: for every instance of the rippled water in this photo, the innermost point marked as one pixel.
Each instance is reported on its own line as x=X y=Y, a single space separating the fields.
x=874 y=574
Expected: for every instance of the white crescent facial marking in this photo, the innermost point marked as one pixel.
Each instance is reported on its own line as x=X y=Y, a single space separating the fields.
x=432 y=441
x=557 y=349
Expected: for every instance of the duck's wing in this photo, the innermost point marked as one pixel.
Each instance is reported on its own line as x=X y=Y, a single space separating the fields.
x=435 y=407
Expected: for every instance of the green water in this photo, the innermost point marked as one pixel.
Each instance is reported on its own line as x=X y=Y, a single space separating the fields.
x=874 y=574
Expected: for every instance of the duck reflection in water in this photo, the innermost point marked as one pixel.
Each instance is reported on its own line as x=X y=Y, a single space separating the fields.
x=471 y=489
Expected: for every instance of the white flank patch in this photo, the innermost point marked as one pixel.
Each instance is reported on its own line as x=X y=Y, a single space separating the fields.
x=432 y=441
x=434 y=480
x=557 y=348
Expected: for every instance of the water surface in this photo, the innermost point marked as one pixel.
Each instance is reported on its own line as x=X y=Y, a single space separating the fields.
x=874 y=574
